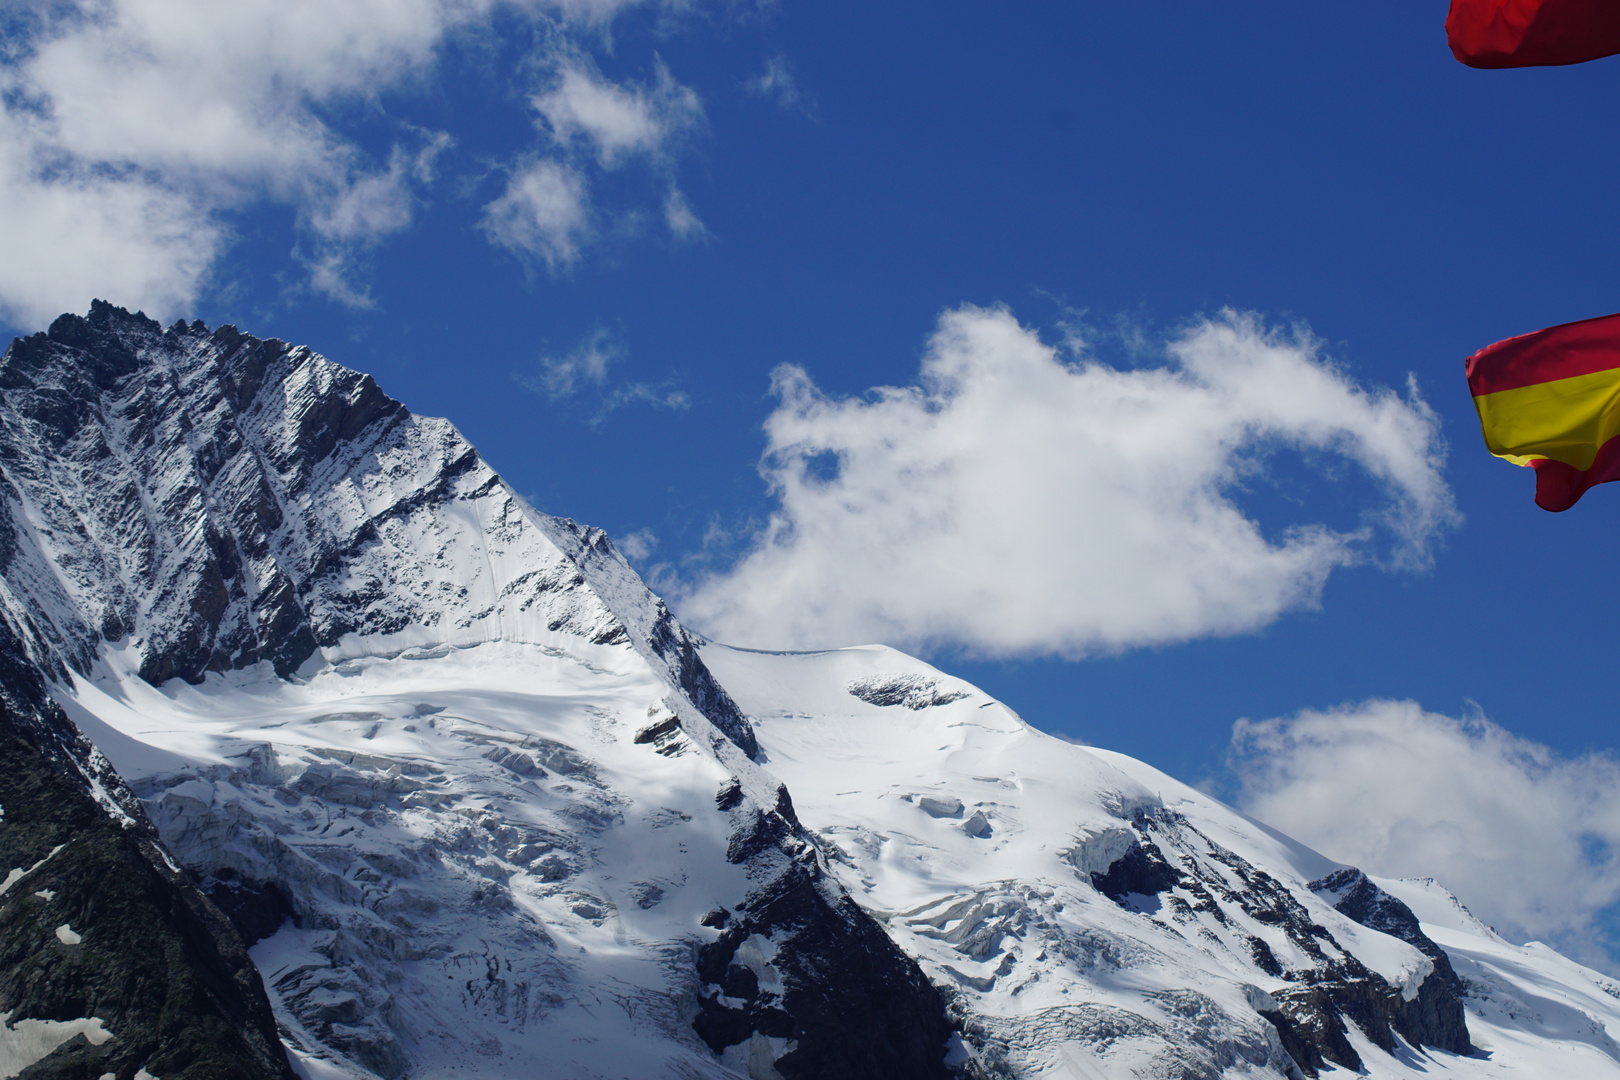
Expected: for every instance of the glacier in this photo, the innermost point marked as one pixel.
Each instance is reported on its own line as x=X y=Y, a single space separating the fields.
x=476 y=804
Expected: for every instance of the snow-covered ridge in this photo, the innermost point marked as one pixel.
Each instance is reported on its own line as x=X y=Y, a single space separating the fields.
x=216 y=500
x=1089 y=916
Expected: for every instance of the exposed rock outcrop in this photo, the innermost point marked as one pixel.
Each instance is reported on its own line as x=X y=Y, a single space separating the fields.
x=1332 y=986
x=96 y=923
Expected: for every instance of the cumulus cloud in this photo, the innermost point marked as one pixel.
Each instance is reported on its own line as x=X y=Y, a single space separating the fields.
x=85 y=234
x=1526 y=838
x=151 y=116
x=543 y=215
x=1014 y=504
x=130 y=130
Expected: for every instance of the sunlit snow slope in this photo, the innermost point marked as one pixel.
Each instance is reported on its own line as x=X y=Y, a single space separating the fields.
x=489 y=870
x=990 y=851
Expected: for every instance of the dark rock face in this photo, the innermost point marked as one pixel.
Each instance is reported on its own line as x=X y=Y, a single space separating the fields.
x=223 y=501
x=1354 y=896
x=1174 y=865
x=1141 y=871
x=1436 y=1016
x=800 y=961
x=148 y=431
x=256 y=908
x=913 y=691
x=158 y=963
x=1312 y=1033
x=766 y=974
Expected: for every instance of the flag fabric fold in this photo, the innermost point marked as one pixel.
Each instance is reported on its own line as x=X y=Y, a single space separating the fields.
x=1550 y=400
x=1532 y=33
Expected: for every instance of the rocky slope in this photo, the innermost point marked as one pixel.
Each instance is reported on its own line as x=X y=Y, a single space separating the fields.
x=112 y=963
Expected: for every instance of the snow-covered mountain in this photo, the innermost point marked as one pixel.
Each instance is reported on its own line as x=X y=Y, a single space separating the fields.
x=480 y=806
x=1088 y=916
x=187 y=505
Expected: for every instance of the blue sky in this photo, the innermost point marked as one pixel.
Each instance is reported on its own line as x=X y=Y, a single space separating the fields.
x=715 y=190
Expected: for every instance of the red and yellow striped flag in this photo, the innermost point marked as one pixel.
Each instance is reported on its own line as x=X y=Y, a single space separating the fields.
x=1551 y=401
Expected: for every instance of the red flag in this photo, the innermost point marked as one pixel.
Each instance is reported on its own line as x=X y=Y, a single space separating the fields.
x=1531 y=33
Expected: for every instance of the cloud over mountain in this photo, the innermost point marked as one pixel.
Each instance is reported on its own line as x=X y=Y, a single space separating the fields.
x=1524 y=836
x=1011 y=503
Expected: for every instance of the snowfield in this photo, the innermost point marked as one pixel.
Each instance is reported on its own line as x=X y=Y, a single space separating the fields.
x=491 y=870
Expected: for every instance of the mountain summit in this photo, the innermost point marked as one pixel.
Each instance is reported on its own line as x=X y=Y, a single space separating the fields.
x=325 y=752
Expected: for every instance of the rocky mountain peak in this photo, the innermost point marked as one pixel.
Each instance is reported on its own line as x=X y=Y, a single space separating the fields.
x=210 y=500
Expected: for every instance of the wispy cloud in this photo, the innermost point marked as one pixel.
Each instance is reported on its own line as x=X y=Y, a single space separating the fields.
x=1526 y=838
x=678 y=217
x=585 y=366
x=660 y=395
x=582 y=375
x=617 y=121
x=1013 y=504
x=639 y=545
x=778 y=83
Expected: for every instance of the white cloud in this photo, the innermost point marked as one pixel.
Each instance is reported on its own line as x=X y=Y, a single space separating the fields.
x=678 y=216
x=1012 y=504
x=85 y=235
x=599 y=12
x=660 y=395
x=777 y=82
x=1525 y=838
x=541 y=215
x=586 y=365
x=131 y=129
x=585 y=368
x=637 y=546
x=378 y=203
x=618 y=121
x=187 y=108
x=332 y=274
